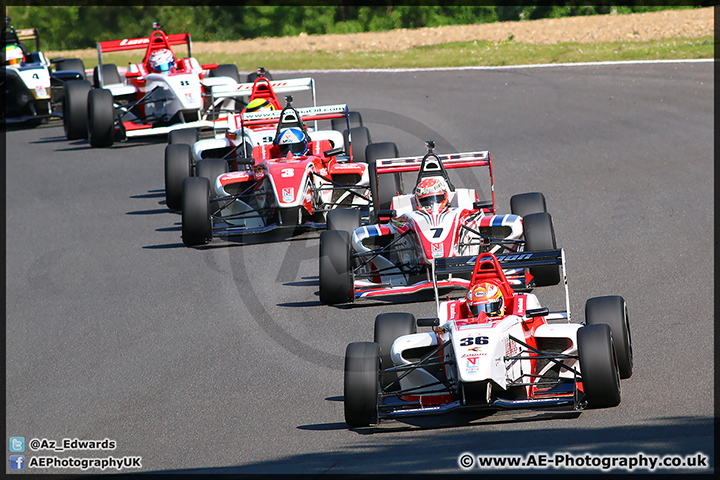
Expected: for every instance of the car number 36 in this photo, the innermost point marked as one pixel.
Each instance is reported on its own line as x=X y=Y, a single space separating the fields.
x=467 y=341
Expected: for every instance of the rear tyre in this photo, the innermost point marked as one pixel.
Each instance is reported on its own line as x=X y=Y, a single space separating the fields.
x=599 y=366
x=383 y=187
x=253 y=76
x=341 y=124
x=389 y=327
x=526 y=203
x=178 y=166
x=211 y=168
x=110 y=74
x=360 y=137
x=361 y=384
x=336 y=282
x=343 y=220
x=101 y=118
x=612 y=311
x=75 y=109
x=540 y=235
x=196 y=221
x=71 y=64
x=188 y=136
x=227 y=70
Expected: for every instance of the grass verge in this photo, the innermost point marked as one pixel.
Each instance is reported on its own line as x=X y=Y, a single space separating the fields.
x=458 y=54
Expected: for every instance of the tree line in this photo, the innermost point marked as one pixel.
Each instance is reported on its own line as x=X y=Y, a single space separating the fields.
x=79 y=27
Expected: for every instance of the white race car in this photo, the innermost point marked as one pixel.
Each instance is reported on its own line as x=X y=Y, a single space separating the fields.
x=33 y=89
x=493 y=349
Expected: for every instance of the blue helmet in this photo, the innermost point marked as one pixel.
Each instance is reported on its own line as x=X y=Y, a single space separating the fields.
x=292 y=140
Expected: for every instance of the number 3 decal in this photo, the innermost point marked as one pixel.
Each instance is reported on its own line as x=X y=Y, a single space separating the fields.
x=287 y=172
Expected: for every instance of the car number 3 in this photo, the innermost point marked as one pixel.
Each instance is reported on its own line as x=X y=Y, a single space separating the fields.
x=467 y=341
x=287 y=172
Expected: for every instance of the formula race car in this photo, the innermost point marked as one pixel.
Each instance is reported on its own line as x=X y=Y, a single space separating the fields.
x=292 y=182
x=437 y=220
x=33 y=84
x=184 y=151
x=493 y=349
x=160 y=94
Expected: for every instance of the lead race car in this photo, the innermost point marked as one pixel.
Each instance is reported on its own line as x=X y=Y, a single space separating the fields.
x=160 y=94
x=493 y=349
x=292 y=182
x=437 y=220
x=33 y=84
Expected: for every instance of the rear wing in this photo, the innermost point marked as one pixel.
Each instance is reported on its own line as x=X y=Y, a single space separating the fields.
x=278 y=86
x=29 y=34
x=307 y=114
x=453 y=160
x=467 y=265
x=142 y=43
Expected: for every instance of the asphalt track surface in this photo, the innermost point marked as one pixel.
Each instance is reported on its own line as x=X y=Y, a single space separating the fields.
x=221 y=359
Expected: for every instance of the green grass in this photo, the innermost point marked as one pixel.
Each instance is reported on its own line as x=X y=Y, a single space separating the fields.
x=459 y=54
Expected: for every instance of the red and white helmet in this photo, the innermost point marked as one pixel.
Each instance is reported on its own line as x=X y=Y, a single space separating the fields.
x=161 y=61
x=431 y=193
x=485 y=297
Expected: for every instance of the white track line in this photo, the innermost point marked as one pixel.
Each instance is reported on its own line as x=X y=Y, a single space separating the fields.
x=503 y=67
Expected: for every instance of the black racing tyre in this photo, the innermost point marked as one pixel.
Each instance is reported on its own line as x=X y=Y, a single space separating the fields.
x=389 y=327
x=101 y=118
x=360 y=137
x=383 y=187
x=211 y=168
x=178 y=166
x=612 y=311
x=75 y=108
x=343 y=219
x=253 y=76
x=196 y=221
x=341 y=124
x=188 y=136
x=361 y=384
x=335 y=272
x=540 y=235
x=598 y=366
x=71 y=64
x=227 y=70
x=110 y=74
x=526 y=203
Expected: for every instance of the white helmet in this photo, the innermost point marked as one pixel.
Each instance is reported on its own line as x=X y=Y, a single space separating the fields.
x=161 y=61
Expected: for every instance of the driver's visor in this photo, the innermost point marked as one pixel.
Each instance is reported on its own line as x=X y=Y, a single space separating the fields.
x=430 y=200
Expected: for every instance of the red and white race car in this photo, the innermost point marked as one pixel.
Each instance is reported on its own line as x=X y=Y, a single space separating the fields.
x=294 y=181
x=156 y=96
x=437 y=220
x=186 y=154
x=493 y=349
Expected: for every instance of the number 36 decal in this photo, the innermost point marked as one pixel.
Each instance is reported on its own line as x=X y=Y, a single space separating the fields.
x=467 y=341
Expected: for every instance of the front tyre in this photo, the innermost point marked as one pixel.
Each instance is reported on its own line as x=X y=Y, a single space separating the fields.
x=178 y=166
x=599 y=366
x=612 y=311
x=383 y=187
x=357 y=140
x=101 y=118
x=75 y=109
x=196 y=220
x=360 y=394
x=336 y=282
x=343 y=220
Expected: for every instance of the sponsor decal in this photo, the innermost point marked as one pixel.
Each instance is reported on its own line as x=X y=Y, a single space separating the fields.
x=134 y=41
x=189 y=97
x=473 y=355
x=437 y=250
x=288 y=194
x=40 y=91
x=472 y=366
